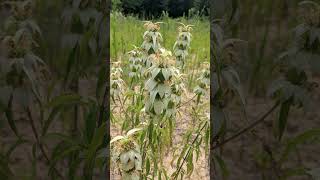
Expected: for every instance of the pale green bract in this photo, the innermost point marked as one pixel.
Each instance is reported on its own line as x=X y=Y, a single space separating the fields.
x=203 y=83
x=116 y=82
x=130 y=160
x=135 y=64
x=182 y=45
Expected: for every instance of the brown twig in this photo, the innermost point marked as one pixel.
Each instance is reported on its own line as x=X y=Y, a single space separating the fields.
x=255 y=123
x=185 y=103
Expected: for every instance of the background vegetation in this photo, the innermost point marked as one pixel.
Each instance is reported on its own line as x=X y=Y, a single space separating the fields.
x=153 y=9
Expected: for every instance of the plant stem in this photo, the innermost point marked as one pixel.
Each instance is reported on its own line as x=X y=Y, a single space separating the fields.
x=189 y=150
x=255 y=123
x=187 y=102
x=103 y=105
x=35 y=133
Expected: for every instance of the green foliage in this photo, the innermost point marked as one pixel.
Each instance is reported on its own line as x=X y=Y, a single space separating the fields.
x=202 y=6
x=179 y=7
x=153 y=9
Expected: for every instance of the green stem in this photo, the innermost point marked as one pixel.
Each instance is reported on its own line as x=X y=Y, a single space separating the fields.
x=189 y=150
x=36 y=135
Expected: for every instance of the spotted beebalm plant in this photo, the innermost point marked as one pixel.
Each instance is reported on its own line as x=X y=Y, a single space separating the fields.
x=18 y=39
x=152 y=37
x=151 y=42
x=178 y=87
x=116 y=81
x=158 y=101
x=182 y=44
x=135 y=64
x=293 y=87
x=203 y=82
x=126 y=154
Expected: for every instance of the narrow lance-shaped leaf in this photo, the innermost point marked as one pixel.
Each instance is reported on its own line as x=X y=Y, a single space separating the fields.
x=283 y=116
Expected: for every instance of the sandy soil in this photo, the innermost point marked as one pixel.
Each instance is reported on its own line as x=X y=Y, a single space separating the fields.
x=184 y=122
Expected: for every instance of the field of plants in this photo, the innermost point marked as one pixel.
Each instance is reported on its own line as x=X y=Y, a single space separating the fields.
x=160 y=83
x=189 y=89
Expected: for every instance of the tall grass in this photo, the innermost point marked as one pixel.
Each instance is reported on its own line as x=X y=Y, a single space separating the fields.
x=126 y=31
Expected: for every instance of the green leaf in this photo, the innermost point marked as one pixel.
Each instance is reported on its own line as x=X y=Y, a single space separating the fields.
x=14 y=146
x=31 y=78
x=315 y=173
x=117 y=138
x=150 y=84
x=154 y=41
x=66 y=99
x=162 y=89
x=309 y=3
x=76 y=3
x=67 y=139
x=218 y=34
x=5 y=93
x=90 y=123
x=219 y=121
x=133 y=131
x=293 y=172
x=165 y=73
x=87 y=14
x=155 y=72
x=158 y=107
x=147 y=165
x=232 y=77
x=71 y=62
x=53 y=114
x=102 y=79
x=190 y=166
x=97 y=141
x=283 y=116
x=292 y=143
x=33 y=25
x=9 y=115
x=5 y=171
x=235 y=6
x=222 y=165
x=60 y=155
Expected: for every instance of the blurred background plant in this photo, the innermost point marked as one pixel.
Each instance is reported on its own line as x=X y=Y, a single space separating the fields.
x=274 y=72
x=51 y=52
